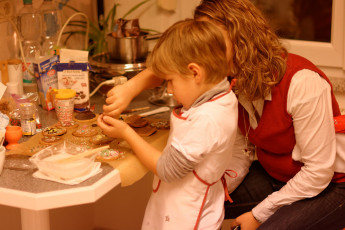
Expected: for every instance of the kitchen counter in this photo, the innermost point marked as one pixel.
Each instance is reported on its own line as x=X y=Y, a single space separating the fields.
x=49 y=118
x=18 y=188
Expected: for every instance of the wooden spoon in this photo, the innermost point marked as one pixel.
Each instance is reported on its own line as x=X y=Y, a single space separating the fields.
x=82 y=155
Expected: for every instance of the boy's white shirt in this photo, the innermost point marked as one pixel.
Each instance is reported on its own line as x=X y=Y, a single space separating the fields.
x=309 y=103
x=205 y=137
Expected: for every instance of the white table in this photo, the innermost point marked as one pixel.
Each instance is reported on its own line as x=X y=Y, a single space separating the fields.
x=35 y=196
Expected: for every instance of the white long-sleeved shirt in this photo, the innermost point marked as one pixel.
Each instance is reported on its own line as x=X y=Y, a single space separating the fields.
x=309 y=103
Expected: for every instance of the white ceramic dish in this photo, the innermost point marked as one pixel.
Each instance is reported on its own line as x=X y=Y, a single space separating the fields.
x=47 y=161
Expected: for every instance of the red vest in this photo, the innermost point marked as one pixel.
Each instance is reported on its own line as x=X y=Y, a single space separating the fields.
x=274 y=137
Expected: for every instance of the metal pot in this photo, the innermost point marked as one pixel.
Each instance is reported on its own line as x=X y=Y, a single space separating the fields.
x=129 y=49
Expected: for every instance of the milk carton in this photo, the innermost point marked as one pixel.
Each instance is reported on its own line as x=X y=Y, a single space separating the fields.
x=73 y=73
x=45 y=73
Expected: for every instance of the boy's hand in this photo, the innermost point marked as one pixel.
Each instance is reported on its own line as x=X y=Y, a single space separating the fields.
x=146 y=153
x=112 y=127
x=118 y=99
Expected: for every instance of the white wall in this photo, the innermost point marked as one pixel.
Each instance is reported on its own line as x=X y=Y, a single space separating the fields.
x=150 y=16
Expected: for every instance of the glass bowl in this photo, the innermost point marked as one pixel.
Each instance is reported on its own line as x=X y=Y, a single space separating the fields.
x=48 y=161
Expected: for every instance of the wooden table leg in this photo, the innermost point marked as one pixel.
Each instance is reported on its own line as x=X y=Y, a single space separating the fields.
x=35 y=220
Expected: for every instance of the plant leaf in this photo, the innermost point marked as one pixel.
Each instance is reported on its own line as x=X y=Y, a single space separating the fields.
x=74 y=32
x=134 y=8
x=150 y=30
x=66 y=40
x=76 y=25
x=68 y=6
x=78 y=21
x=113 y=18
x=111 y=12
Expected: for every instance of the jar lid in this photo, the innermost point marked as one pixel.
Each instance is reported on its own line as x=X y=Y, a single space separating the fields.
x=27 y=108
x=64 y=93
x=26 y=105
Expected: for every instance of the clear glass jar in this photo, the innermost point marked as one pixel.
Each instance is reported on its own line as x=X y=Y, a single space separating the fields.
x=27 y=113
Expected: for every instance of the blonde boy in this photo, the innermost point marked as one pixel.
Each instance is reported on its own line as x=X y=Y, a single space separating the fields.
x=187 y=189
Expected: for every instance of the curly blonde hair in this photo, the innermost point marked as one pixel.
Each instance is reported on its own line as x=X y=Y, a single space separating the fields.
x=259 y=58
x=186 y=42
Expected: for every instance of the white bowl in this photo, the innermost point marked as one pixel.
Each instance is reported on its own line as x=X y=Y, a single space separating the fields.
x=47 y=161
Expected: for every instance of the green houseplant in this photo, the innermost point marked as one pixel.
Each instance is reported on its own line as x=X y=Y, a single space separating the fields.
x=98 y=32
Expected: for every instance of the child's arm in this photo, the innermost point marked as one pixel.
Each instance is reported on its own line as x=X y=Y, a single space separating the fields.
x=120 y=96
x=146 y=153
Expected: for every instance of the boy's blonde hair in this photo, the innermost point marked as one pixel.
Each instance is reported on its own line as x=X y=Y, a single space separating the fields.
x=186 y=42
x=258 y=56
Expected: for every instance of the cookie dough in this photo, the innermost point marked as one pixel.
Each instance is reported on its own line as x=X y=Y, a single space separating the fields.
x=53 y=131
x=101 y=139
x=85 y=131
x=50 y=140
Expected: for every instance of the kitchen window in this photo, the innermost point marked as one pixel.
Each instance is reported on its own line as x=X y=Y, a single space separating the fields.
x=311 y=28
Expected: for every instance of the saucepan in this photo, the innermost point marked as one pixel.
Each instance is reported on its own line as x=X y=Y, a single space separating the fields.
x=129 y=49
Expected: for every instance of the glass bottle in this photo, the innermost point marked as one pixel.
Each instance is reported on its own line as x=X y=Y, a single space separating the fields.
x=30 y=27
x=51 y=24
